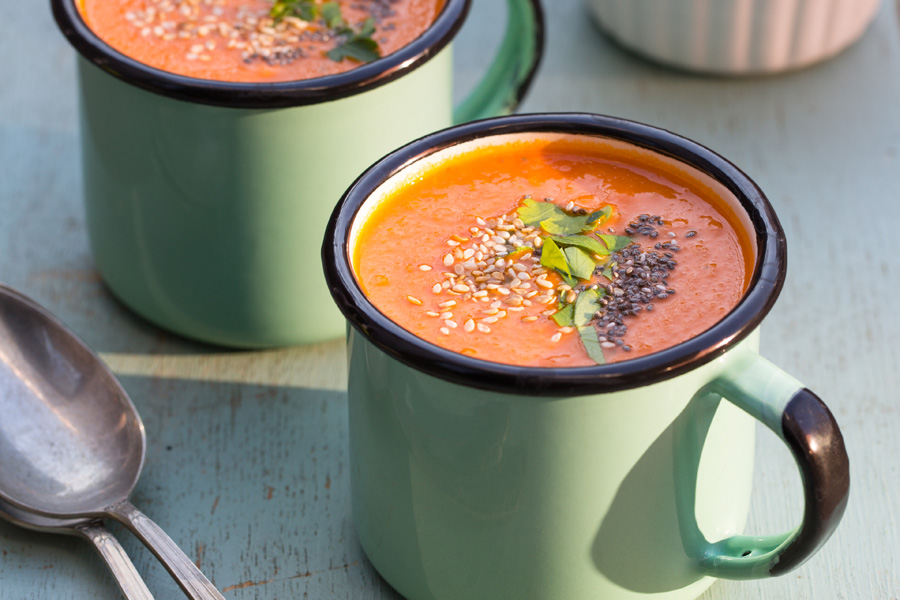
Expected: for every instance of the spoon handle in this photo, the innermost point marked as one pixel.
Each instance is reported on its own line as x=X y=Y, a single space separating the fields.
x=195 y=585
x=129 y=580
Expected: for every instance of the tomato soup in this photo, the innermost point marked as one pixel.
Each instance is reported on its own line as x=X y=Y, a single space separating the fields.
x=554 y=251
x=257 y=40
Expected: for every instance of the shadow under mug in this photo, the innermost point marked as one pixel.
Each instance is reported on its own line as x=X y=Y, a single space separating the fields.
x=206 y=200
x=479 y=480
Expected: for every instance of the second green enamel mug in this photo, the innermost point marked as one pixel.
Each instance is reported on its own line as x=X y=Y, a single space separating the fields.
x=480 y=480
x=206 y=201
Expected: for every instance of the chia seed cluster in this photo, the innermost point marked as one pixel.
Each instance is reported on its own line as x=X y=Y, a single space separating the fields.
x=638 y=279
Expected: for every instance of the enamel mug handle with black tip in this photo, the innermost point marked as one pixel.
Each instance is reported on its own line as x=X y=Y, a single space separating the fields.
x=803 y=422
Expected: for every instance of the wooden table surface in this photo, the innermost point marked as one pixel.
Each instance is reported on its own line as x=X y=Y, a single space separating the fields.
x=247 y=451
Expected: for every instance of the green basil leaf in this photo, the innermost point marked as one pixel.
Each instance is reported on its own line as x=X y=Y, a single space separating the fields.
x=532 y=211
x=615 y=242
x=563 y=224
x=331 y=12
x=368 y=28
x=585 y=242
x=306 y=10
x=586 y=305
x=553 y=258
x=591 y=344
x=607 y=272
x=598 y=218
x=563 y=316
x=572 y=282
x=302 y=9
x=581 y=265
x=361 y=49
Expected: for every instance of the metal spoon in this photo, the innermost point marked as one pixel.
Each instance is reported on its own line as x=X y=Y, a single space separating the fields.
x=71 y=441
x=127 y=577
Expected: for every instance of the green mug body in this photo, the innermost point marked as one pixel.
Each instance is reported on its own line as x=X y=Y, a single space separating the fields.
x=206 y=201
x=485 y=481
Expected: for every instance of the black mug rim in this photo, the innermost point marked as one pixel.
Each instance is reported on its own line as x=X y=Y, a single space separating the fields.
x=765 y=285
x=265 y=94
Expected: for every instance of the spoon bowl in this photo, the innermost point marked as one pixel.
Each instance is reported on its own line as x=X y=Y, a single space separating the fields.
x=71 y=439
x=71 y=442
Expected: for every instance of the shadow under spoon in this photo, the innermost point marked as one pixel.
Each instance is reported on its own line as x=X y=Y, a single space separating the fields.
x=71 y=442
x=127 y=577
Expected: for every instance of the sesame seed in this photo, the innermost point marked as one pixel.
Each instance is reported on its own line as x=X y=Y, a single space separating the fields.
x=424 y=267
x=445 y=330
x=447 y=315
x=483 y=328
x=414 y=300
x=469 y=325
x=529 y=319
x=556 y=337
x=448 y=260
x=431 y=313
x=450 y=324
x=437 y=288
x=447 y=304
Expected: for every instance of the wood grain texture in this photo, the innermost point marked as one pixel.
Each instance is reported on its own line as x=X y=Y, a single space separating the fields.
x=247 y=455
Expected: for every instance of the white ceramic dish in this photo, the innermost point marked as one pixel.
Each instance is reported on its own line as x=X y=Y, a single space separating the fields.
x=735 y=36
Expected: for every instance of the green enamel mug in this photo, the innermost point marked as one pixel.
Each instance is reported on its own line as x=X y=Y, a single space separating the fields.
x=486 y=481
x=206 y=201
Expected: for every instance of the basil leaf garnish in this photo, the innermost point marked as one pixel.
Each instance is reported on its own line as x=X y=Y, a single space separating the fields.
x=563 y=316
x=591 y=344
x=553 y=258
x=564 y=224
x=598 y=218
x=615 y=242
x=532 y=212
x=585 y=242
x=581 y=265
x=586 y=305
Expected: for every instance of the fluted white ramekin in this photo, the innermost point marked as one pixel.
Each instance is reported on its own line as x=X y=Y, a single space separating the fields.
x=735 y=36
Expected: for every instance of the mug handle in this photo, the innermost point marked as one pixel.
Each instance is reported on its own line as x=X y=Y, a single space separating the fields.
x=510 y=75
x=808 y=428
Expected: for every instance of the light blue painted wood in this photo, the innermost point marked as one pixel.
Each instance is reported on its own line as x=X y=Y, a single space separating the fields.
x=246 y=465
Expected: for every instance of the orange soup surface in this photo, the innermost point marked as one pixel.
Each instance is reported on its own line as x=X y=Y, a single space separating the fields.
x=553 y=253
x=245 y=41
